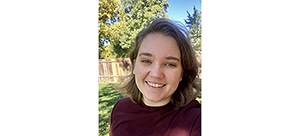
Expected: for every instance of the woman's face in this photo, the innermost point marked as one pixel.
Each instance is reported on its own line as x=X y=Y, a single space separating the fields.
x=157 y=69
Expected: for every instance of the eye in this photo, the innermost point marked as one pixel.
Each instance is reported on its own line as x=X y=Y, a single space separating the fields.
x=170 y=65
x=146 y=61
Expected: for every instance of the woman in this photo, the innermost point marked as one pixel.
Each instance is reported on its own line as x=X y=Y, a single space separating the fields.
x=162 y=87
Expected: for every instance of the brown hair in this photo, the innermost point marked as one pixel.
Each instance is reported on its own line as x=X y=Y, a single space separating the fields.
x=188 y=88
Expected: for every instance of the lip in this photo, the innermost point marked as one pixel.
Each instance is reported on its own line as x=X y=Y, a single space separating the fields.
x=155 y=84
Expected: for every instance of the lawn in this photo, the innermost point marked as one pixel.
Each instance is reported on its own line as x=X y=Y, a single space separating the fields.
x=108 y=96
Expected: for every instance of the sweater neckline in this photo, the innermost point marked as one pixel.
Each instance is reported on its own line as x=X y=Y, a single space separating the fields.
x=153 y=108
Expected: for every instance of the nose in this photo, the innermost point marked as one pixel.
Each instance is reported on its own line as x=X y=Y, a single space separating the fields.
x=156 y=72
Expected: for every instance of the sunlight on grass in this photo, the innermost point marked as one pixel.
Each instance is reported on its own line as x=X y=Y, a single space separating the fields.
x=108 y=96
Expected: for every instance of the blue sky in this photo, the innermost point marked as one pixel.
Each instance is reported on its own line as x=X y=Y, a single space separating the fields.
x=177 y=9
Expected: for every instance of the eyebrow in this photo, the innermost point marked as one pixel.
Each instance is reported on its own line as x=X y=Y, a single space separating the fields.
x=168 y=57
x=146 y=54
x=172 y=58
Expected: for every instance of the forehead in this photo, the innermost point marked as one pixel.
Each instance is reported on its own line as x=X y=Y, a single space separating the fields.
x=159 y=45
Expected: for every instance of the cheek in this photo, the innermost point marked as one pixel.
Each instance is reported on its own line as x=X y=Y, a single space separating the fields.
x=134 y=70
x=177 y=79
x=174 y=77
x=138 y=71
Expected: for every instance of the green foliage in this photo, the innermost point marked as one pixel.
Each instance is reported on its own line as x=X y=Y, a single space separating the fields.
x=110 y=21
x=120 y=22
x=139 y=13
x=108 y=96
x=194 y=24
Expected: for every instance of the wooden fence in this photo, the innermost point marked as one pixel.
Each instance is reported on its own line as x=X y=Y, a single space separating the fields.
x=116 y=70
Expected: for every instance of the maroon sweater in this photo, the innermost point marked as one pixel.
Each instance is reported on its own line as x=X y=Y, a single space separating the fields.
x=130 y=119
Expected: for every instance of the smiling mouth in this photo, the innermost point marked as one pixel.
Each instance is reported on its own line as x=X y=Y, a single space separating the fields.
x=155 y=85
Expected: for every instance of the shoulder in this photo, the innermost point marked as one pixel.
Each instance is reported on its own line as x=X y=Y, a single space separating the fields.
x=194 y=108
x=191 y=112
x=123 y=104
x=123 y=101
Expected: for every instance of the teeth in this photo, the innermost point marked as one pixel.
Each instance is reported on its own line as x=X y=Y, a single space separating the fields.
x=155 y=85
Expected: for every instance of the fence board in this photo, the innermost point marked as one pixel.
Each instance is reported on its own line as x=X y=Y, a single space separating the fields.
x=114 y=70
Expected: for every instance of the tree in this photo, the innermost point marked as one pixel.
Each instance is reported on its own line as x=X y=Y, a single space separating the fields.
x=139 y=12
x=110 y=21
x=194 y=25
x=120 y=22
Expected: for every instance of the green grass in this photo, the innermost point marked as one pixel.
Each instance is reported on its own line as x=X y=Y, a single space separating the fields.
x=108 y=96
